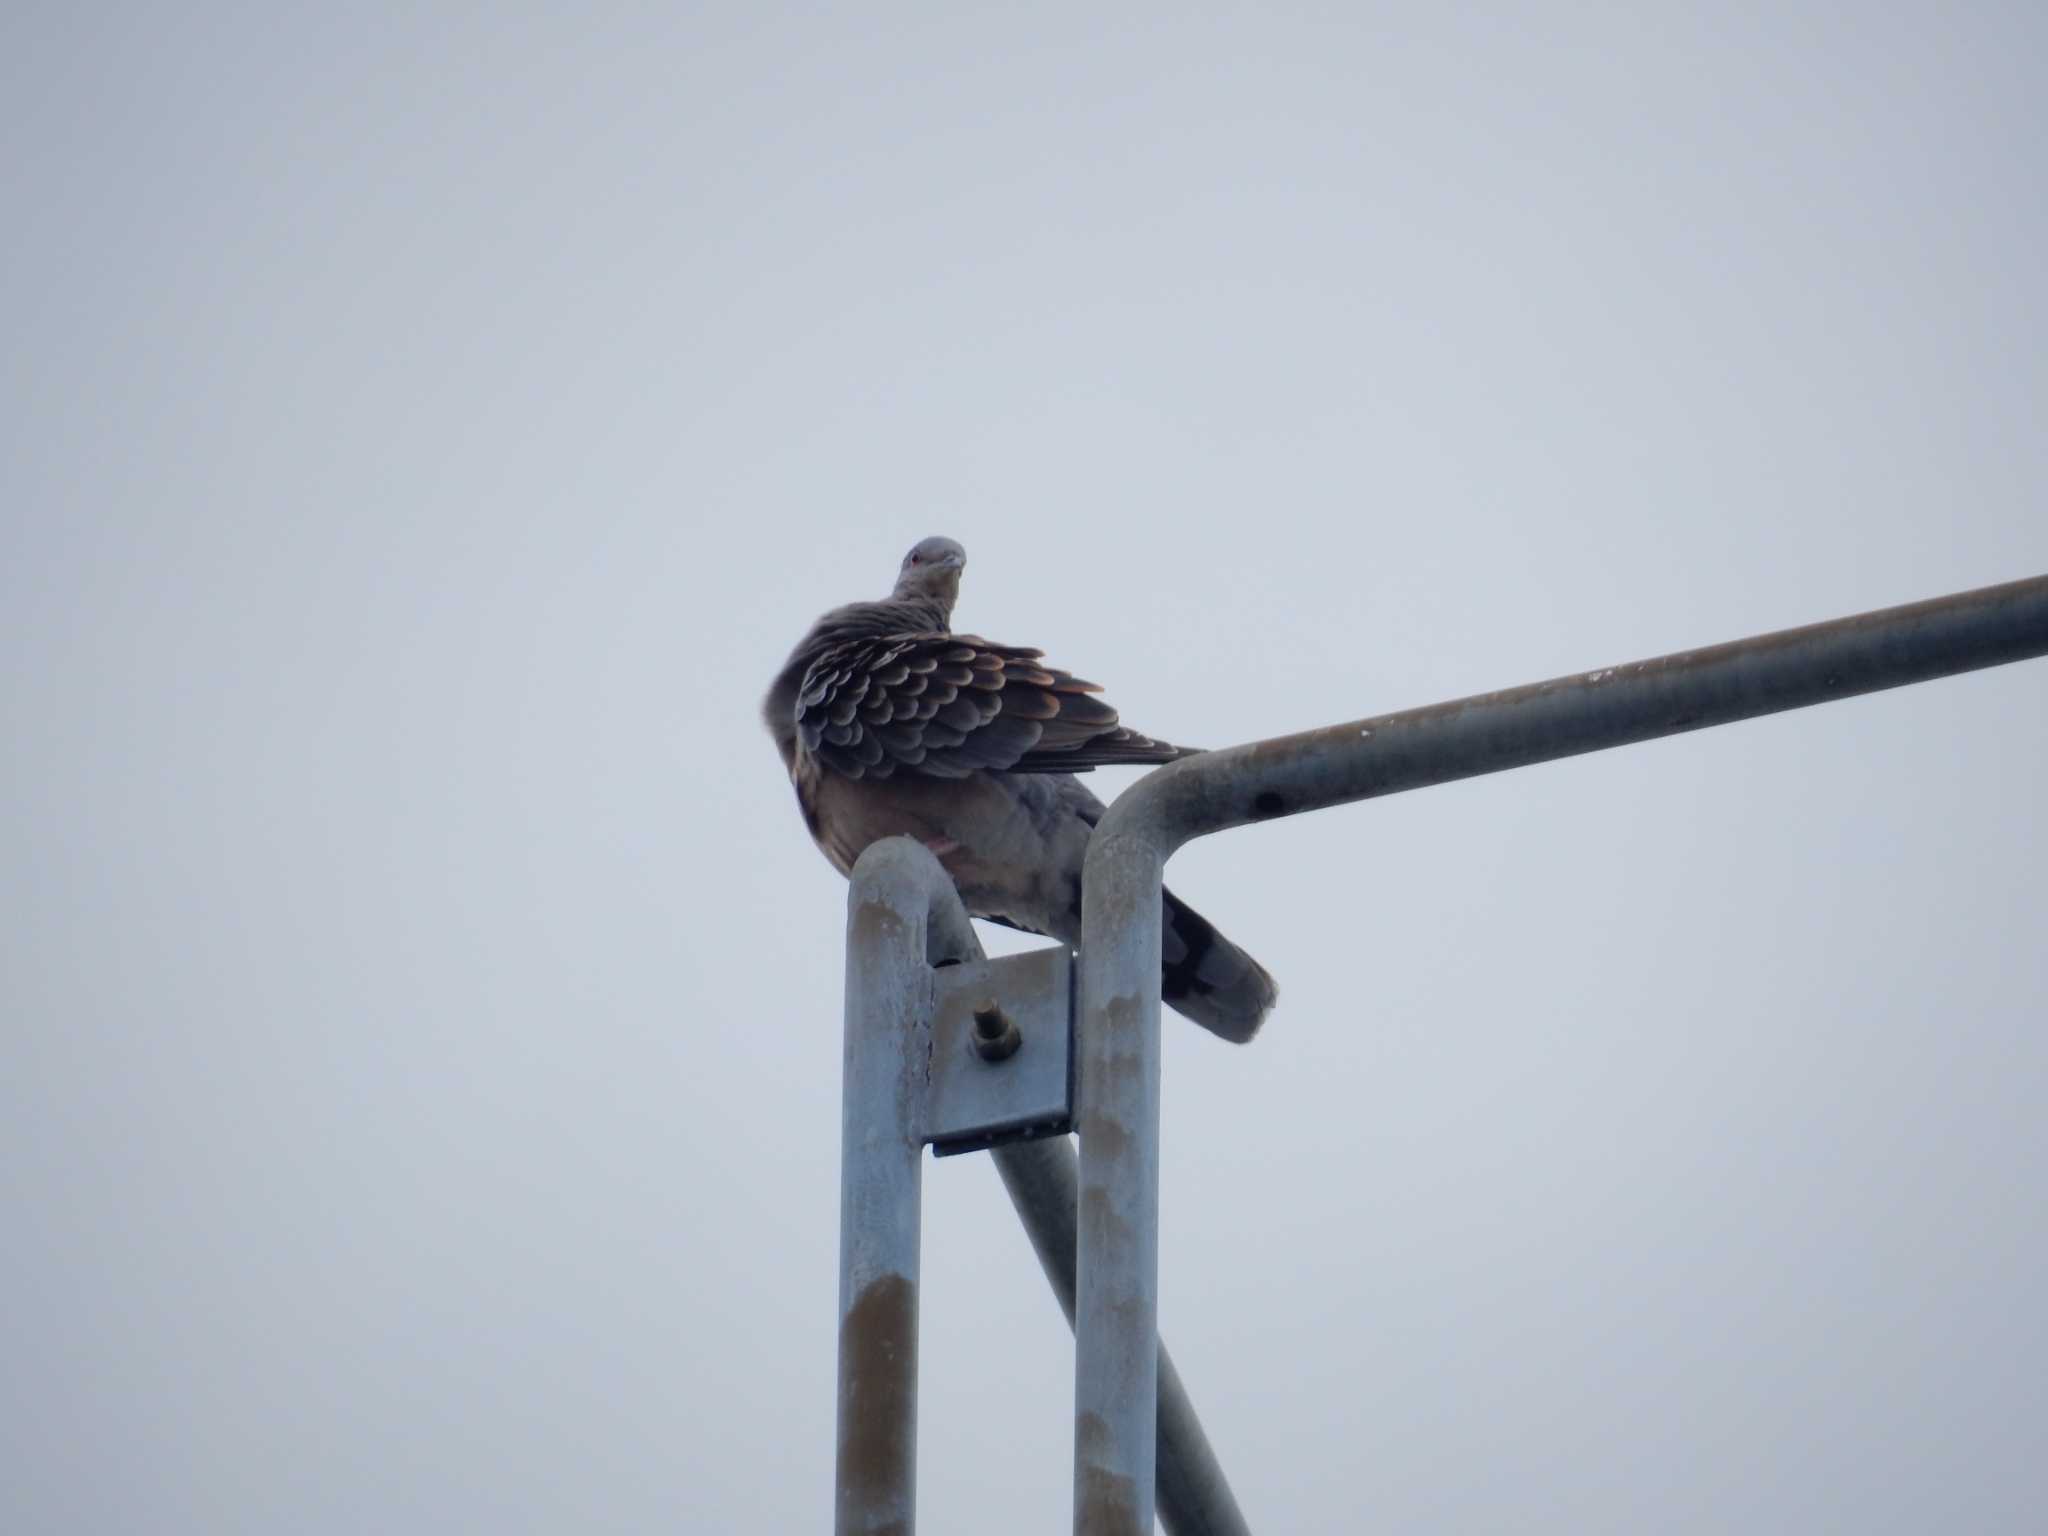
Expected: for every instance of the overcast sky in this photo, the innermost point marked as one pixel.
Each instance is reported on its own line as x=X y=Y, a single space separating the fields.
x=423 y=432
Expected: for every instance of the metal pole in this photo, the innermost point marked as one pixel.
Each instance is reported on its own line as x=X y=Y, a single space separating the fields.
x=1582 y=712
x=1118 y=1058
x=1194 y=1496
x=904 y=917
x=901 y=908
x=1116 y=1111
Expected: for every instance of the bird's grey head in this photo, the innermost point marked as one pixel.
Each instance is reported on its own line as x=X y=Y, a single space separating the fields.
x=932 y=570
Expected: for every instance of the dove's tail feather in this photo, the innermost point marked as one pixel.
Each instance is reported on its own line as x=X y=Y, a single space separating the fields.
x=1209 y=979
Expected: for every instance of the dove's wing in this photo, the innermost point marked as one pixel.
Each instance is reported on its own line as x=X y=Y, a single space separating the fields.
x=944 y=706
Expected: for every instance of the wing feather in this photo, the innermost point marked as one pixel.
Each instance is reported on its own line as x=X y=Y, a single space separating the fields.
x=944 y=706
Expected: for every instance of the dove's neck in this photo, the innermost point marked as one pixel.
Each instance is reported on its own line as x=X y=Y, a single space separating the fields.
x=932 y=586
x=917 y=613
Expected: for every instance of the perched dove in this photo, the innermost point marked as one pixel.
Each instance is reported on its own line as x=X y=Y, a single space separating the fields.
x=889 y=723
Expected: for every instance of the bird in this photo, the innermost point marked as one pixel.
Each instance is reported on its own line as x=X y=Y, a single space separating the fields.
x=890 y=724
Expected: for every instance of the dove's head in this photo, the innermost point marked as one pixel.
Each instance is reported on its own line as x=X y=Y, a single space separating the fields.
x=932 y=570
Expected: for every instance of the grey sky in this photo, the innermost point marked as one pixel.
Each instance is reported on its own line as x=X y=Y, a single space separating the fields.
x=423 y=435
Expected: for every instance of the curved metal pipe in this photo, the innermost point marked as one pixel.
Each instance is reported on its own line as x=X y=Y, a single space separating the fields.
x=1117 y=1108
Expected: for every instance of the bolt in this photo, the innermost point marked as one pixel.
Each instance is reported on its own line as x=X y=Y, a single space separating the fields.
x=995 y=1035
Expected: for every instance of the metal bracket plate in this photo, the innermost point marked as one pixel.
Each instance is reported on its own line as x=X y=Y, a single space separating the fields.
x=973 y=1103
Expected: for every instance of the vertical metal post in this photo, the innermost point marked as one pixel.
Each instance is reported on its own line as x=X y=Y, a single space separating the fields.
x=881 y=1162
x=903 y=917
x=1116 y=1323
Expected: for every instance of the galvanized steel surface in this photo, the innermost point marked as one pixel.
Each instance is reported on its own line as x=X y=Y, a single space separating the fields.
x=903 y=914
x=1194 y=1496
x=905 y=1020
x=976 y=1095
x=1117 y=1110
x=1582 y=712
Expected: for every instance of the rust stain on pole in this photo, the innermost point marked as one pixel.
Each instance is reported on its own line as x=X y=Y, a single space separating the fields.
x=877 y=1426
x=1105 y=1504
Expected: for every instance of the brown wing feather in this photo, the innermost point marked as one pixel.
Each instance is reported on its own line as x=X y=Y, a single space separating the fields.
x=944 y=706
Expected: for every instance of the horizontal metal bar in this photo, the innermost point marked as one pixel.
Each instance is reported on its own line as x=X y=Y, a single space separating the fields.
x=1583 y=712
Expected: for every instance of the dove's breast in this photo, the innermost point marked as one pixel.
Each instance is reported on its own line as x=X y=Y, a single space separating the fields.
x=1012 y=843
